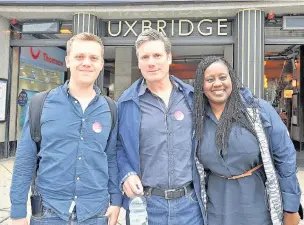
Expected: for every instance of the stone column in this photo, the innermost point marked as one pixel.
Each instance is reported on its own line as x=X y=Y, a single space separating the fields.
x=249 y=49
x=85 y=22
x=4 y=73
x=126 y=69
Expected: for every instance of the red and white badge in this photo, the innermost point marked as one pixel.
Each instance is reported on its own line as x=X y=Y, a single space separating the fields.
x=97 y=127
x=179 y=115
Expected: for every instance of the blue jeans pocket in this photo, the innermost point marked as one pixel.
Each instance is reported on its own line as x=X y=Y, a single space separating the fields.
x=99 y=219
x=102 y=220
x=192 y=196
x=47 y=217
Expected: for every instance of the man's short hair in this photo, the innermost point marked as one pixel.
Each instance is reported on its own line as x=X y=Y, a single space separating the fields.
x=84 y=37
x=153 y=35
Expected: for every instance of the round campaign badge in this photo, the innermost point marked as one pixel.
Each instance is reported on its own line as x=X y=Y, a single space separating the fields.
x=179 y=115
x=97 y=127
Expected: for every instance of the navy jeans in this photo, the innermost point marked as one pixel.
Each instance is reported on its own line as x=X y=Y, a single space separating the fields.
x=50 y=218
x=182 y=211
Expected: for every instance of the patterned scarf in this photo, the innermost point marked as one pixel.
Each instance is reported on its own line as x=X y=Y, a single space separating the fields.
x=272 y=184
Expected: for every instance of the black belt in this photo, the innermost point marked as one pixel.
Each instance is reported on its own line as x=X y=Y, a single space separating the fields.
x=170 y=193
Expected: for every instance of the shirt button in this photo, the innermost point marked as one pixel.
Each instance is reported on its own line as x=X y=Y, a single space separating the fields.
x=78 y=178
x=81 y=138
x=83 y=120
x=75 y=197
x=79 y=158
x=76 y=102
x=172 y=172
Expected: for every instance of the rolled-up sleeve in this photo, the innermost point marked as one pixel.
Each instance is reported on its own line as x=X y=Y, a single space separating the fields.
x=125 y=169
x=284 y=155
x=24 y=167
x=111 y=151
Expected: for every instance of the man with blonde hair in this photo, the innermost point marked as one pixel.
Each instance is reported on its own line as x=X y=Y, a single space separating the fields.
x=77 y=177
x=155 y=156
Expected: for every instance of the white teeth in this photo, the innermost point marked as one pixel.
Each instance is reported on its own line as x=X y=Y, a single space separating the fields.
x=218 y=92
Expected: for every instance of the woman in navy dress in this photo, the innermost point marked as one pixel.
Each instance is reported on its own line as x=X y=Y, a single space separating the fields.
x=229 y=150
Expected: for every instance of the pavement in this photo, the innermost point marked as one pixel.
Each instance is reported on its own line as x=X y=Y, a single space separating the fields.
x=6 y=169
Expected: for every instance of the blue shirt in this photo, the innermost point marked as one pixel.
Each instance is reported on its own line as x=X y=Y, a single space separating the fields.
x=129 y=114
x=78 y=161
x=165 y=139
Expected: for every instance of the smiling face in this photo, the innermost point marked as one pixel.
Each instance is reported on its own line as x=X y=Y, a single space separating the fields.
x=217 y=83
x=85 y=60
x=153 y=61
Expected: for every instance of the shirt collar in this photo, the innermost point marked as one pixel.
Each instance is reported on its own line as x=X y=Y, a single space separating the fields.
x=143 y=86
x=210 y=113
x=66 y=88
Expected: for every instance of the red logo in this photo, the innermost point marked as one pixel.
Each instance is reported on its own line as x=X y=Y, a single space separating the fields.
x=46 y=57
x=35 y=55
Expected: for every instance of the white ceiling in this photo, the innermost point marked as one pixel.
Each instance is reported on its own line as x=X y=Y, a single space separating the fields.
x=130 y=11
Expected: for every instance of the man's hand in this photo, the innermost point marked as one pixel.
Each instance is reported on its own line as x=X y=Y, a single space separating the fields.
x=22 y=221
x=132 y=186
x=112 y=214
x=291 y=218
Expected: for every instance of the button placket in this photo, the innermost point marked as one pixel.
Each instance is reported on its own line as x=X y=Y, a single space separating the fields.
x=80 y=153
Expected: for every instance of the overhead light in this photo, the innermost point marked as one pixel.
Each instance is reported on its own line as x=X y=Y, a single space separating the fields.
x=50 y=27
x=65 y=31
x=293 y=23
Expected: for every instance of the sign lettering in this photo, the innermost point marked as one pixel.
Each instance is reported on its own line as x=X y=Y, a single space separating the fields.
x=185 y=27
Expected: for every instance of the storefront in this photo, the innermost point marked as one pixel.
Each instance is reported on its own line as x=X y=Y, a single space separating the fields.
x=240 y=31
x=41 y=68
x=283 y=85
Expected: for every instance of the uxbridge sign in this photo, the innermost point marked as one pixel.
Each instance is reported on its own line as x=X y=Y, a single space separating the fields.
x=181 y=27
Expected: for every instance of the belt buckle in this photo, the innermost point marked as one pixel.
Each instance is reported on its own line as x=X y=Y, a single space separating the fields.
x=169 y=194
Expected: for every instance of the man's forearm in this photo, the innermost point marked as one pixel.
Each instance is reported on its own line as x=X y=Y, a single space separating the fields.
x=24 y=166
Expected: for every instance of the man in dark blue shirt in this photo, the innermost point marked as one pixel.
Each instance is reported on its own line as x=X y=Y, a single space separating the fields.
x=154 y=152
x=78 y=174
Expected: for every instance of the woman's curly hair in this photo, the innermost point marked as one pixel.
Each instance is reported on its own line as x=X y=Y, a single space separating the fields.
x=234 y=112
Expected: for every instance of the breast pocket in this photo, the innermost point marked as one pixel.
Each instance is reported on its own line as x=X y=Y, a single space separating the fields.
x=97 y=133
x=181 y=129
x=181 y=119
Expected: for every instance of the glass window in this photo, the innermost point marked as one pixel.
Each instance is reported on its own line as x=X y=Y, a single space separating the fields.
x=34 y=79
